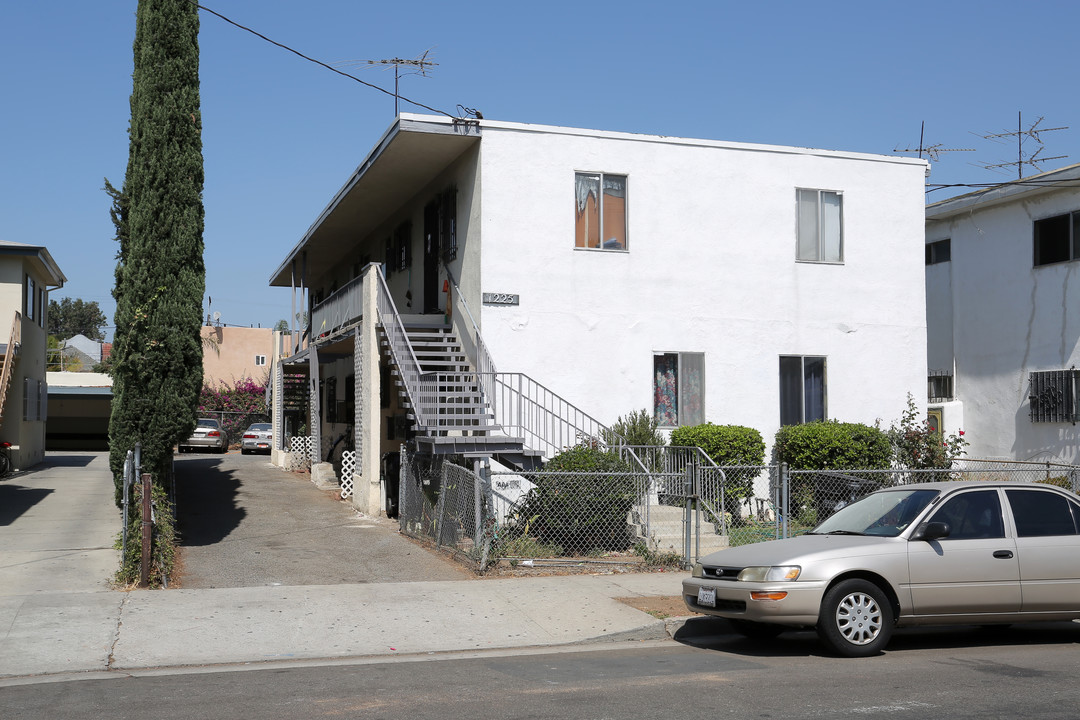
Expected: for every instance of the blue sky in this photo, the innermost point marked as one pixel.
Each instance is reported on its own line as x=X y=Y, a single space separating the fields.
x=281 y=135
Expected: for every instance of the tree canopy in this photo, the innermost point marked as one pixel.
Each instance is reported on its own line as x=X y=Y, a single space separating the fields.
x=69 y=318
x=160 y=274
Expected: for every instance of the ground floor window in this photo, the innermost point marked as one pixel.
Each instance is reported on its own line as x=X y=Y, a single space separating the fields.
x=802 y=389
x=678 y=389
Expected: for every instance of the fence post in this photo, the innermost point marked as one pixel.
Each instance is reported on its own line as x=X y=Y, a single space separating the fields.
x=691 y=496
x=144 y=564
x=785 y=498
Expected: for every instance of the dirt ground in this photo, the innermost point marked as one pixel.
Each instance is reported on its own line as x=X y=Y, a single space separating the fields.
x=660 y=607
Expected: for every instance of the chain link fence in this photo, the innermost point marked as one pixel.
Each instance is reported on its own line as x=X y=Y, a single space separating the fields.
x=679 y=508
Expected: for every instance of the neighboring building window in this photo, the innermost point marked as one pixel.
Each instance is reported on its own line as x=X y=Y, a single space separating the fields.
x=939 y=386
x=41 y=307
x=820 y=226
x=802 y=389
x=260 y=360
x=938 y=252
x=1057 y=239
x=679 y=389
x=29 y=299
x=1052 y=396
x=600 y=211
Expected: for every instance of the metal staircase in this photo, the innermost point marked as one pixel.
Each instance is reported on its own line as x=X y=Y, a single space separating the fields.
x=448 y=407
x=9 y=353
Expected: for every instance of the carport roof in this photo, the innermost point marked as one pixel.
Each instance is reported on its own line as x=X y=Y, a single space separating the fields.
x=415 y=149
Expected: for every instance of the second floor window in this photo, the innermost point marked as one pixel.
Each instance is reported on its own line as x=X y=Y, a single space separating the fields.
x=600 y=211
x=260 y=360
x=1057 y=239
x=820 y=226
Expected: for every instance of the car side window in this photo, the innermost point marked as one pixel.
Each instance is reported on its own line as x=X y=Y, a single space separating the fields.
x=972 y=515
x=1041 y=513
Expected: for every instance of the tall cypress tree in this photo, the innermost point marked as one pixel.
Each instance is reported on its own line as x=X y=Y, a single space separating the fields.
x=160 y=275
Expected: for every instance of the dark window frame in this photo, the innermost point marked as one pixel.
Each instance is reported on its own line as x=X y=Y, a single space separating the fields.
x=1056 y=239
x=939 y=251
x=787 y=414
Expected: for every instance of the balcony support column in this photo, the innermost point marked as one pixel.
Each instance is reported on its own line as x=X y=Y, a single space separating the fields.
x=369 y=494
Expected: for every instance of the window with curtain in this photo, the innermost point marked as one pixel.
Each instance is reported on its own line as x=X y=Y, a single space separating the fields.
x=820 y=226
x=802 y=389
x=600 y=211
x=679 y=389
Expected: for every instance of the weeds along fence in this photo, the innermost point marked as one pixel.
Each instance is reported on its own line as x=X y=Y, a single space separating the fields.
x=675 y=508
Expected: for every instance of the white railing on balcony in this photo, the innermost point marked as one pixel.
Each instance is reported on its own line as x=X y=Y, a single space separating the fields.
x=343 y=308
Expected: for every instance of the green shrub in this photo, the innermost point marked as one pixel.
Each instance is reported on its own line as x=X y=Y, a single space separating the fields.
x=584 y=510
x=833 y=445
x=638 y=428
x=727 y=445
x=828 y=445
x=162 y=544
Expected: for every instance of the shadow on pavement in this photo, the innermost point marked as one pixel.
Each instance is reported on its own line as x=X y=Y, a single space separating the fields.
x=54 y=459
x=16 y=499
x=717 y=634
x=207 y=510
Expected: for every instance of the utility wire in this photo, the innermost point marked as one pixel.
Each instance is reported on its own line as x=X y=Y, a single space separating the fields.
x=317 y=62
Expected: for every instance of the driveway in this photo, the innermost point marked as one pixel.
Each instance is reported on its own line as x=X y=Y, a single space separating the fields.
x=246 y=523
x=58 y=524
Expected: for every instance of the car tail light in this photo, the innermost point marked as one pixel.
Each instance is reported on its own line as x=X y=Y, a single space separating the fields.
x=250 y=436
x=213 y=433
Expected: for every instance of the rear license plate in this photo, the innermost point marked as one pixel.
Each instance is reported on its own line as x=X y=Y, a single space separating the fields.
x=262 y=445
x=706 y=596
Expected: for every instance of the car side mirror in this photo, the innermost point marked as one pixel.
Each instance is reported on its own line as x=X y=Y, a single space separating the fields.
x=931 y=531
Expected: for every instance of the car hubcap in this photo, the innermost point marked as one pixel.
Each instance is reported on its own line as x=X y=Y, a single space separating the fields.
x=858 y=618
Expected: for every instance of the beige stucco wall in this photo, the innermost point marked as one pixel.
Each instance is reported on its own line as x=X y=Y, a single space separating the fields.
x=234 y=360
x=27 y=437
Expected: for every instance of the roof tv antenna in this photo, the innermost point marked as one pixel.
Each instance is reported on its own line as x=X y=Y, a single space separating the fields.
x=419 y=67
x=1021 y=134
x=931 y=151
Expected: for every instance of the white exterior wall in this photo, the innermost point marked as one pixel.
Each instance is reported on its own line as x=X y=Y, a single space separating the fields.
x=710 y=268
x=1008 y=319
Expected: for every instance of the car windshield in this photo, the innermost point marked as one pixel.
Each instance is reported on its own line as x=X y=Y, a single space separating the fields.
x=887 y=513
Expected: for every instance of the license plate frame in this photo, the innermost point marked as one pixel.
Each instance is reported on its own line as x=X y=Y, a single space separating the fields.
x=706 y=597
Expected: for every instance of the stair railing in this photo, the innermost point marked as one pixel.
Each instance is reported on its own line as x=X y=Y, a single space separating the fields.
x=420 y=390
x=9 y=360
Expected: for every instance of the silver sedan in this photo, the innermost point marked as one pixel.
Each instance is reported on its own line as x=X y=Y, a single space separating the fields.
x=209 y=435
x=256 y=438
x=933 y=553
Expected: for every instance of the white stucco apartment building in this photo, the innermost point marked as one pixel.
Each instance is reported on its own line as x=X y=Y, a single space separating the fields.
x=1003 y=315
x=701 y=280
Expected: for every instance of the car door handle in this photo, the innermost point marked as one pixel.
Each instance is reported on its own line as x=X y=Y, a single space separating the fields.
x=1003 y=554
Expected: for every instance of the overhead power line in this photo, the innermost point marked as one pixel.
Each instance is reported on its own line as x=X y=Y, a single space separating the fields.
x=318 y=62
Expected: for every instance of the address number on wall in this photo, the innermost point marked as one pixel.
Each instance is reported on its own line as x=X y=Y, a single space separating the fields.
x=501 y=299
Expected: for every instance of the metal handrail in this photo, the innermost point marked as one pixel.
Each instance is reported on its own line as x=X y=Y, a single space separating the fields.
x=9 y=359
x=401 y=350
x=484 y=362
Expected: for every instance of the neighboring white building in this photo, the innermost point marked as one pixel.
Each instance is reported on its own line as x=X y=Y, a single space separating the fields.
x=1003 y=316
x=702 y=280
x=27 y=273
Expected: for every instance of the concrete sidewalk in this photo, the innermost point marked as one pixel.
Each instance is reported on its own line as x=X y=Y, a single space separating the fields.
x=84 y=632
x=58 y=615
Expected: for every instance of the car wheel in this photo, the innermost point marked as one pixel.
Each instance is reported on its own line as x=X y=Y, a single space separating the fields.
x=856 y=619
x=756 y=630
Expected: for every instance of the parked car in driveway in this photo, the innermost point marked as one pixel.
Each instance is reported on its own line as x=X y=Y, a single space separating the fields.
x=256 y=438
x=933 y=553
x=209 y=435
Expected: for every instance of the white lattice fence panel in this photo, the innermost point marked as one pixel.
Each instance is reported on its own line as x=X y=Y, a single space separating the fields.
x=348 y=469
x=299 y=453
